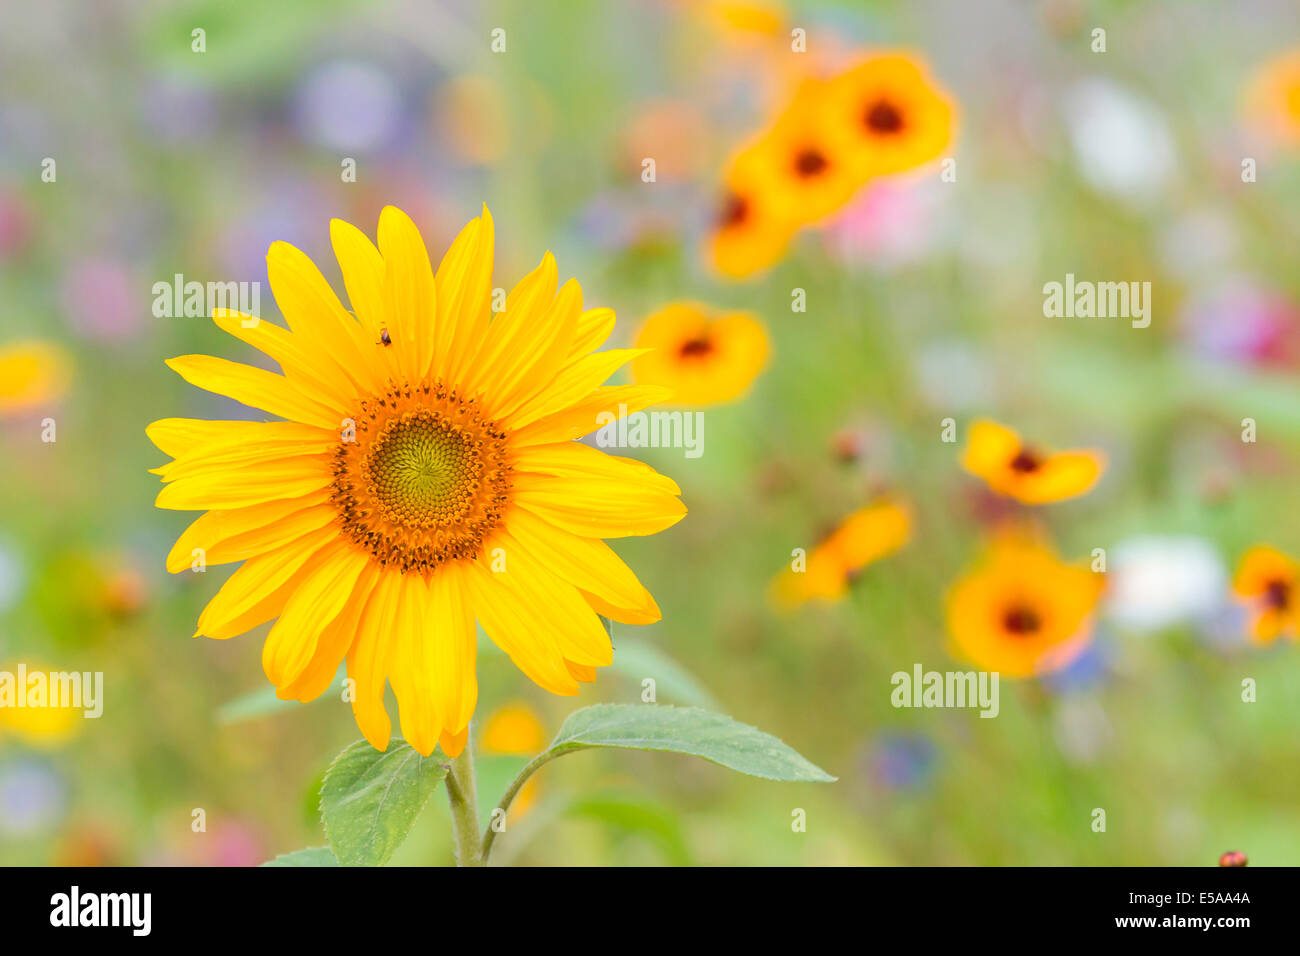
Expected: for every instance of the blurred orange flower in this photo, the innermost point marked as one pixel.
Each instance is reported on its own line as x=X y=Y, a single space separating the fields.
x=703 y=356
x=865 y=536
x=751 y=233
x=1266 y=582
x=810 y=172
x=1022 y=611
x=888 y=116
x=513 y=728
x=1028 y=474
x=1273 y=98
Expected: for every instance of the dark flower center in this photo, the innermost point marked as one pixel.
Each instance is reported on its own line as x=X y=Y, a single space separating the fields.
x=1021 y=620
x=735 y=210
x=695 y=348
x=1026 y=461
x=810 y=162
x=883 y=117
x=1278 y=595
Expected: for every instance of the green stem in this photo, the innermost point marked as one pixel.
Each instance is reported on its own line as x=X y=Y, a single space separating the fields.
x=503 y=805
x=464 y=809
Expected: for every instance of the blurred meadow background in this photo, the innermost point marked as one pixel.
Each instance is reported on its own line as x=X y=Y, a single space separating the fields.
x=924 y=302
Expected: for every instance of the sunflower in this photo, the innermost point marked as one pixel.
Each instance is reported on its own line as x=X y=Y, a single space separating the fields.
x=424 y=477
x=887 y=116
x=1028 y=474
x=1273 y=98
x=702 y=356
x=32 y=375
x=750 y=232
x=1022 y=611
x=865 y=536
x=1266 y=581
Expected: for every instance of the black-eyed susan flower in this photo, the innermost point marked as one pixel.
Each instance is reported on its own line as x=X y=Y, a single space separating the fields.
x=1268 y=583
x=424 y=476
x=32 y=375
x=886 y=115
x=1029 y=474
x=1022 y=611
x=1273 y=99
x=750 y=230
x=863 y=537
x=704 y=357
x=807 y=169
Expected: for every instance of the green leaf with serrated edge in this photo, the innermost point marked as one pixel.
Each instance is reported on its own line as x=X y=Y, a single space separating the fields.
x=312 y=856
x=370 y=800
x=686 y=730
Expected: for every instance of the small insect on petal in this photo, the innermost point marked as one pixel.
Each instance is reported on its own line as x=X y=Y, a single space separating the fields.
x=384 y=338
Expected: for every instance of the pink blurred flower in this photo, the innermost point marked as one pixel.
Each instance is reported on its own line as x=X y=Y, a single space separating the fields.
x=103 y=301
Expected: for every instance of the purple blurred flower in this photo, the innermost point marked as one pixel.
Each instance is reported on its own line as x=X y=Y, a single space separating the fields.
x=900 y=760
x=1238 y=321
x=348 y=105
x=32 y=798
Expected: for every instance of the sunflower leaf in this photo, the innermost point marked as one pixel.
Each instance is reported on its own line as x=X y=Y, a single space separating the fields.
x=370 y=799
x=685 y=730
x=312 y=856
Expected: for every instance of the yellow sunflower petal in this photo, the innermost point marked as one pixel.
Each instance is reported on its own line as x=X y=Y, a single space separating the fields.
x=519 y=630
x=334 y=641
x=573 y=383
x=312 y=310
x=317 y=601
x=256 y=580
x=256 y=388
x=240 y=533
x=464 y=281
x=604 y=406
x=369 y=657
x=410 y=298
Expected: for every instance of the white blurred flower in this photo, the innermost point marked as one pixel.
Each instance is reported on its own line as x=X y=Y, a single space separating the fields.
x=953 y=375
x=1121 y=143
x=1157 y=581
x=12 y=576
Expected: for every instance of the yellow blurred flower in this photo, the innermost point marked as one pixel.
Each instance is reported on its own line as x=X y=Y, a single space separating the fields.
x=1030 y=475
x=865 y=536
x=703 y=356
x=1022 y=611
x=751 y=232
x=32 y=374
x=513 y=729
x=743 y=17
x=1266 y=582
x=44 y=727
x=887 y=116
x=1273 y=98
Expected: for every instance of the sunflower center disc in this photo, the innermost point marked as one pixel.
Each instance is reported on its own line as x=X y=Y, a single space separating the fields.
x=425 y=480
